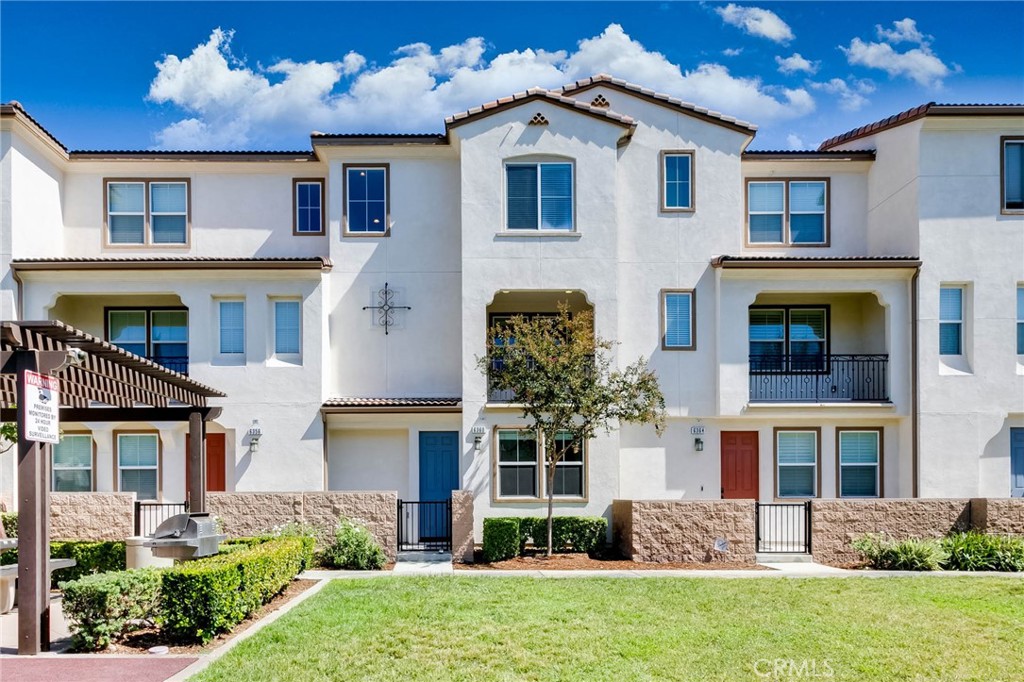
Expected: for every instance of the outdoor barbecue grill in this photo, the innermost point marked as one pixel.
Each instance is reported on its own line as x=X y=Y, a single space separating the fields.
x=186 y=536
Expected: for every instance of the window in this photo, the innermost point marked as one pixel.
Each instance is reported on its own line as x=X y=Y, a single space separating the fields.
x=138 y=461
x=1020 y=320
x=951 y=321
x=308 y=196
x=159 y=334
x=677 y=181
x=539 y=196
x=859 y=462
x=232 y=327
x=678 y=311
x=569 y=469
x=72 y=464
x=147 y=212
x=787 y=212
x=517 y=463
x=287 y=327
x=1012 y=181
x=796 y=459
x=791 y=339
x=367 y=207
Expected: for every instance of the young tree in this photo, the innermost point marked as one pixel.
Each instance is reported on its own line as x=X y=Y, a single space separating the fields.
x=561 y=372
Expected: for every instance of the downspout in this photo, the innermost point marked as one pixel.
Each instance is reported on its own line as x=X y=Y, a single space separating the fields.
x=323 y=441
x=914 y=388
x=20 y=312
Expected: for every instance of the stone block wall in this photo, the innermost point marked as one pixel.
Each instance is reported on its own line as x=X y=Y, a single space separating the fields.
x=254 y=513
x=92 y=516
x=836 y=523
x=462 y=526
x=1003 y=516
x=684 y=531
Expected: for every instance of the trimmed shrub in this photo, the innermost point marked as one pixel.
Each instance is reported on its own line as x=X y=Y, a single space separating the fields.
x=973 y=551
x=107 y=606
x=353 y=549
x=906 y=555
x=501 y=538
x=570 y=533
x=90 y=557
x=10 y=523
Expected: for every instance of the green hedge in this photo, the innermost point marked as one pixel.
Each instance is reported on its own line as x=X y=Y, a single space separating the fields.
x=90 y=557
x=975 y=551
x=107 y=606
x=10 y=523
x=569 y=533
x=501 y=538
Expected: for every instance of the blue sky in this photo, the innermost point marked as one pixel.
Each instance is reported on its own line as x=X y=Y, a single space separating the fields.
x=262 y=75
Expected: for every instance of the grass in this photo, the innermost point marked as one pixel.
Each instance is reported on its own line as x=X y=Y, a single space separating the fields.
x=479 y=628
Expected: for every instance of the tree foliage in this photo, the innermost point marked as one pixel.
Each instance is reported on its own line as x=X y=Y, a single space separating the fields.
x=562 y=375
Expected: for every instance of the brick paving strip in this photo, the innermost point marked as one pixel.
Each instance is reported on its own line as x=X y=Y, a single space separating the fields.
x=91 y=667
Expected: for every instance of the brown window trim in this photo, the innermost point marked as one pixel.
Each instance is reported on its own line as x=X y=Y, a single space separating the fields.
x=1002 y=175
x=295 y=207
x=881 y=460
x=159 y=458
x=387 y=200
x=786 y=242
x=775 y=461
x=146 y=224
x=785 y=308
x=662 y=157
x=92 y=471
x=662 y=295
x=537 y=160
x=541 y=481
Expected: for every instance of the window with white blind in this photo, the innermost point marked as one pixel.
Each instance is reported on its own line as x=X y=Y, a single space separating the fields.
x=147 y=212
x=1012 y=171
x=678 y=323
x=860 y=457
x=792 y=339
x=72 y=464
x=231 y=327
x=517 y=463
x=539 y=196
x=951 y=321
x=787 y=212
x=287 y=328
x=796 y=459
x=138 y=463
x=161 y=335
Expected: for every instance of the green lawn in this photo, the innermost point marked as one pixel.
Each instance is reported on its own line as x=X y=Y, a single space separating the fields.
x=481 y=628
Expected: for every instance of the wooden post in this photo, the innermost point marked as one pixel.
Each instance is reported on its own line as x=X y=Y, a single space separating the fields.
x=197 y=462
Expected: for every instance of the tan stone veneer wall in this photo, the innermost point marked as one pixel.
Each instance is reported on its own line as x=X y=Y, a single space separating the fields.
x=254 y=513
x=676 y=530
x=1003 y=516
x=462 y=526
x=92 y=516
x=836 y=523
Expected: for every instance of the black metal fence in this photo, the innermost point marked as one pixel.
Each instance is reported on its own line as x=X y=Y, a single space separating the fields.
x=149 y=515
x=819 y=378
x=175 y=363
x=425 y=525
x=783 y=528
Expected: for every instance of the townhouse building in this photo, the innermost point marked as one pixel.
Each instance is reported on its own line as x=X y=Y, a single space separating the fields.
x=843 y=322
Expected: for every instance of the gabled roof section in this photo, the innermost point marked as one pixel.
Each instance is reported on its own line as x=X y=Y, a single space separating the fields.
x=13 y=109
x=918 y=112
x=172 y=263
x=603 y=79
x=534 y=94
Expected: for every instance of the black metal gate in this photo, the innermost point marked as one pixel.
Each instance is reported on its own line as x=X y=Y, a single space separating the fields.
x=425 y=525
x=149 y=515
x=783 y=528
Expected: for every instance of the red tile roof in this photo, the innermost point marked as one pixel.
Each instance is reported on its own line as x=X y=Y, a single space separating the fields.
x=385 y=404
x=551 y=96
x=929 y=109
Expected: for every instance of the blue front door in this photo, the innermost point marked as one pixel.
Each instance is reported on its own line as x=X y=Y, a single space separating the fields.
x=1016 y=462
x=439 y=476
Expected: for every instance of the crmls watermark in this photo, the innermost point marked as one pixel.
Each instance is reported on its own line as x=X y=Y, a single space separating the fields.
x=791 y=669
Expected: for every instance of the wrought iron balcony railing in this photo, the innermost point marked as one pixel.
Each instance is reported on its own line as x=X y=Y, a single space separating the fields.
x=819 y=378
x=175 y=363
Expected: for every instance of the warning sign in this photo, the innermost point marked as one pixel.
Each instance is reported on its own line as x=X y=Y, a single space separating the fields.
x=42 y=408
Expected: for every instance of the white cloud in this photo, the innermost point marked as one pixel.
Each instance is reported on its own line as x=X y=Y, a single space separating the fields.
x=795 y=62
x=732 y=51
x=756 y=22
x=920 y=64
x=229 y=104
x=850 y=94
x=795 y=142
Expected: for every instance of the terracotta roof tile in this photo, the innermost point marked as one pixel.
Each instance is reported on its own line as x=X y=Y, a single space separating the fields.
x=539 y=93
x=920 y=111
x=392 y=403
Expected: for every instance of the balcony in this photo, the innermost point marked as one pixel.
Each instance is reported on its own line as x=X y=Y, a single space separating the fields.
x=175 y=363
x=819 y=378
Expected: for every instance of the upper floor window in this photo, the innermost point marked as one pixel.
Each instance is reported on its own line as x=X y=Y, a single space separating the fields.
x=788 y=339
x=231 y=325
x=1013 y=174
x=72 y=464
x=308 y=196
x=1020 y=320
x=787 y=213
x=160 y=335
x=287 y=327
x=677 y=181
x=147 y=212
x=367 y=207
x=678 y=320
x=951 y=321
x=539 y=196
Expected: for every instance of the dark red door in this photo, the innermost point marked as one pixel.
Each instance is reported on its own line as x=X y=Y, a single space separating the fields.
x=215 y=464
x=739 y=465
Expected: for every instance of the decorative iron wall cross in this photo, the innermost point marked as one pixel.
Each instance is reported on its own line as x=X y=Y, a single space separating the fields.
x=386 y=308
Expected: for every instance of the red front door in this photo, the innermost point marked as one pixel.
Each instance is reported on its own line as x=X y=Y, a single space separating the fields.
x=739 y=465
x=215 y=464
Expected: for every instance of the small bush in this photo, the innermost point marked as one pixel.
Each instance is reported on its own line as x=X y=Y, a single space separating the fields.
x=353 y=549
x=502 y=538
x=10 y=523
x=107 y=606
x=973 y=551
x=906 y=555
x=571 y=533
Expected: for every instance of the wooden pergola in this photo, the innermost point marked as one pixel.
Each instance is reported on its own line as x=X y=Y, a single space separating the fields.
x=98 y=382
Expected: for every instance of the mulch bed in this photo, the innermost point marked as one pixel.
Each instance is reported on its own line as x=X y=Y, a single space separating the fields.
x=140 y=641
x=583 y=562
